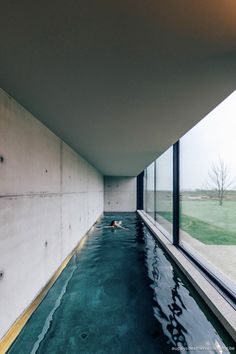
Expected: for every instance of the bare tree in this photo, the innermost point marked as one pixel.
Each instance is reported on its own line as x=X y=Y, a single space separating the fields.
x=220 y=179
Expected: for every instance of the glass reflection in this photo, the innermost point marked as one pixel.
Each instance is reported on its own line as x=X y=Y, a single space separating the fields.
x=164 y=191
x=150 y=190
x=183 y=316
x=208 y=191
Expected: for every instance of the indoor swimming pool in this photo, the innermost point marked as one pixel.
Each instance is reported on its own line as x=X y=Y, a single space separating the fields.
x=122 y=294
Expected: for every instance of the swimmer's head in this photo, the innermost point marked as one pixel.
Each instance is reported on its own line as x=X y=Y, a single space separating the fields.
x=116 y=223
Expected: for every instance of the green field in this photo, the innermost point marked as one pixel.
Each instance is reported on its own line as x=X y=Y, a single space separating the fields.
x=203 y=218
x=210 y=212
x=202 y=231
x=206 y=221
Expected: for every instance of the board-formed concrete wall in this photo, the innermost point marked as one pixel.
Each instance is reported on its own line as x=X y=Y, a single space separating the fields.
x=120 y=194
x=49 y=198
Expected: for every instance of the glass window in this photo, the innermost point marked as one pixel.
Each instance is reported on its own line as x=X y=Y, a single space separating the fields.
x=144 y=190
x=208 y=191
x=150 y=189
x=164 y=192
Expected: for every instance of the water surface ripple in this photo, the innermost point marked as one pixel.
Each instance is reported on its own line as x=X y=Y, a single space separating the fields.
x=121 y=294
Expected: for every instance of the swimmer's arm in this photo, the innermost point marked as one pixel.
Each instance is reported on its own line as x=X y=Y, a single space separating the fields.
x=105 y=227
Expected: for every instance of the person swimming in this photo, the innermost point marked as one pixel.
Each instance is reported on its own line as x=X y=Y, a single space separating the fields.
x=117 y=224
x=114 y=225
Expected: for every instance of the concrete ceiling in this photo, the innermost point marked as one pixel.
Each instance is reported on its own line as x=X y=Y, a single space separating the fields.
x=119 y=81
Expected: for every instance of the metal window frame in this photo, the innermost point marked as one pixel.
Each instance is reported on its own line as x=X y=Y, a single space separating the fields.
x=212 y=277
x=140 y=191
x=155 y=191
x=176 y=204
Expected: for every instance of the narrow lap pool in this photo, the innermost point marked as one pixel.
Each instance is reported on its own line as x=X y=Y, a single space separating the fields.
x=121 y=294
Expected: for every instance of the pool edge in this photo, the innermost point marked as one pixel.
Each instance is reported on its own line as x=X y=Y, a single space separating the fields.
x=215 y=301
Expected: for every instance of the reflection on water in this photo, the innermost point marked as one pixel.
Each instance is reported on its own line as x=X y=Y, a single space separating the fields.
x=181 y=317
x=107 y=302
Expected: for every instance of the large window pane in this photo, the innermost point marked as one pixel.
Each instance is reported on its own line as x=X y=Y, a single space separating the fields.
x=150 y=186
x=208 y=191
x=164 y=192
x=145 y=190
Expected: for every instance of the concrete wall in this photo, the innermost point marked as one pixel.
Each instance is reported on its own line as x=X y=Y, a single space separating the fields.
x=120 y=193
x=49 y=198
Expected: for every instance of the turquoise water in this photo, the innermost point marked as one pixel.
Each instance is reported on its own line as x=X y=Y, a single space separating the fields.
x=121 y=294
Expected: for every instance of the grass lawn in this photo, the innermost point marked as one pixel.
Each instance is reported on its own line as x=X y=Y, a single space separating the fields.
x=203 y=231
x=210 y=212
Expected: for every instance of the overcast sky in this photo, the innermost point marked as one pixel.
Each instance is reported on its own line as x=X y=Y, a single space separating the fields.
x=212 y=138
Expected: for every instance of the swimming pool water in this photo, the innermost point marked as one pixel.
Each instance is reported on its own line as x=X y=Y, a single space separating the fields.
x=121 y=294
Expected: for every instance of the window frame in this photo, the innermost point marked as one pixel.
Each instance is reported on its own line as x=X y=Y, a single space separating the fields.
x=225 y=291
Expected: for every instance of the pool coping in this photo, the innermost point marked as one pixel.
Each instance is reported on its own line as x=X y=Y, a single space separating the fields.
x=224 y=312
